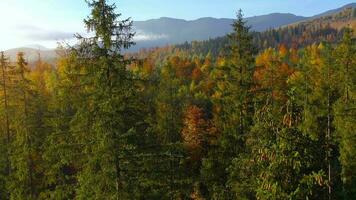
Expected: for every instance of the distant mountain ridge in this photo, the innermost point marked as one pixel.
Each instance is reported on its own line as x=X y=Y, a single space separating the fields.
x=32 y=54
x=165 y=31
x=169 y=31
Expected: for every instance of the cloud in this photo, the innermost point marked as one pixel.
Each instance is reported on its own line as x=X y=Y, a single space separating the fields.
x=27 y=27
x=142 y=36
x=50 y=36
x=39 y=34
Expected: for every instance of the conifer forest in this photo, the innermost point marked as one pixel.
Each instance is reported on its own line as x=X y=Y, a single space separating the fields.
x=251 y=115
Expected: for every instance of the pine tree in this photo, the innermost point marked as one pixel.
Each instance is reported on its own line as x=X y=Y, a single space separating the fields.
x=5 y=137
x=59 y=151
x=22 y=180
x=345 y=112
x=234 y=104
x=108 y=112
x=315 y=83
x=168 y=124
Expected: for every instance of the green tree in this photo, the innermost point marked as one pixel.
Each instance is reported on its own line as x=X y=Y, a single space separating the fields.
x=59 y=148
x=107 y=117
x=314 y=82
x=345 y=112
x=233 y=100
x=22 y=181
x=5 y=126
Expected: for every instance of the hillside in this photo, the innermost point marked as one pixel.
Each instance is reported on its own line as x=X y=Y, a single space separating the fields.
x=339 y=20
x=326 y=28
x=334 y=11
x=265 y=110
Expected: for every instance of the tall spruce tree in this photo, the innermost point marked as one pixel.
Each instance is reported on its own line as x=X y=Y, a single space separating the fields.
x=22 y=183
x=233 y=101
x=107 y=115
x=345 y=112
x=5 y=126
x=58 y=151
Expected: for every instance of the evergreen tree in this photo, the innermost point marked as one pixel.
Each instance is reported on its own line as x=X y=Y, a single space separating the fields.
x=5 y=127
x=22 y=180
x=345 y=112
x=106 y=118
x=59 y=149
x=234 y=104
x=315 y=85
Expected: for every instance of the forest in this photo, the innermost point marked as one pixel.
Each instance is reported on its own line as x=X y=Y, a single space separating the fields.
x=250 y=118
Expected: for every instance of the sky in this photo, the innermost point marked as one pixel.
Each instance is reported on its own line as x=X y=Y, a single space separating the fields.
x=47 y=22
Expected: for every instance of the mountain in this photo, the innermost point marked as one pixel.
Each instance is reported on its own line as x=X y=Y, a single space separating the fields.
x=31 y=54
x=329 y=28
x=274 y=20
x=338 y=20
x=334 y=11
x=163 y=31
x=36 y=46
x=169 y=31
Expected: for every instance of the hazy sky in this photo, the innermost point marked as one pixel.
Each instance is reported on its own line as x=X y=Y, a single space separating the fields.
x=46 y=22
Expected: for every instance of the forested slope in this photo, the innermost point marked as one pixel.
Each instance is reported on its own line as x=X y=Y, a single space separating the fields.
x=328 y=28
x=179 y=123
